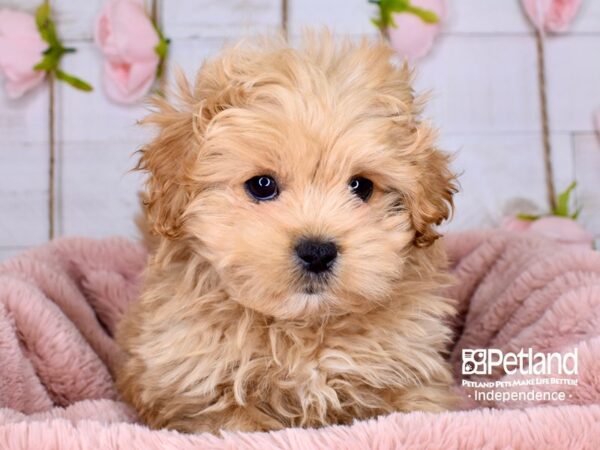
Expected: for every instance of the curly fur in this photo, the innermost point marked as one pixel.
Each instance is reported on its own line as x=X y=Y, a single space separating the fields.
x=224 y=335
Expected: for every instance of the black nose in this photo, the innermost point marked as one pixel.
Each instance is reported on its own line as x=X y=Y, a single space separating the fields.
x=316 y=256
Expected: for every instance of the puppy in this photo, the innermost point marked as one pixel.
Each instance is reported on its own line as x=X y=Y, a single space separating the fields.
x=296 y=278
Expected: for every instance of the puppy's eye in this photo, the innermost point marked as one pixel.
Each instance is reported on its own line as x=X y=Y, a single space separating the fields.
x=361 y=187
x=262 y=188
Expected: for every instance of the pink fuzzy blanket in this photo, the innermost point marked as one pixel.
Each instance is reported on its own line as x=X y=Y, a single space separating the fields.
x=59 y=304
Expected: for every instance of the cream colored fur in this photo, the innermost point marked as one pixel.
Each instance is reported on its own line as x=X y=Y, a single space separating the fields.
x=224 y=335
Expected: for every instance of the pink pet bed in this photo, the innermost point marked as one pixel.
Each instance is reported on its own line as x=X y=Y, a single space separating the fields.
x=59 y=304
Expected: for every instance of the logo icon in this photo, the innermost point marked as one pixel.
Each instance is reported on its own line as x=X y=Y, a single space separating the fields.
x=474 y=361
x=478 y=361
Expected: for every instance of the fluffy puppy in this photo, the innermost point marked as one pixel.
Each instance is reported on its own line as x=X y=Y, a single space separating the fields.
x=296 y=277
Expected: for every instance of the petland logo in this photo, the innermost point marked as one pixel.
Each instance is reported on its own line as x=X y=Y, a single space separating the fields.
x=484 y=361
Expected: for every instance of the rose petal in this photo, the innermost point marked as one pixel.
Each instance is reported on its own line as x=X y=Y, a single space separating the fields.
x=21 y=48
x=15 y=89
x=412 y=38
x=552 y=15
x=102 y=33
x=515 y=224
x=127 y=38
x=562 y=229
x=17 y=24
x=127 y=83
x=561 y=15
x=124 y=32
x=18 y=56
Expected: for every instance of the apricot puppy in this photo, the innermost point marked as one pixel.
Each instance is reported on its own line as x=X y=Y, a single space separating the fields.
x=296 y=277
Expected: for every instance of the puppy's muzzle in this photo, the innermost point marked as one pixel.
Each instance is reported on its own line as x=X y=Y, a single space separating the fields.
x=316 y=256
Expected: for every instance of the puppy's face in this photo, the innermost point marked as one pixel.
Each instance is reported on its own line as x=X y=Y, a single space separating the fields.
x=306 y=181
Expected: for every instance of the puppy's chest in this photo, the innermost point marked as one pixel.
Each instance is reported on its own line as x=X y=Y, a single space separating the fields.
x=330 y=369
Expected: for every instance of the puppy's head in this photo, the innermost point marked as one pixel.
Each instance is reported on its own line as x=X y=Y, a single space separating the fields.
x=303 y=177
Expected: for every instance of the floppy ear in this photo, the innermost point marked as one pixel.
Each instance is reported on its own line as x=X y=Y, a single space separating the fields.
x=430 y=198
x=433 y=201
x=169 y=158
x=166 y=159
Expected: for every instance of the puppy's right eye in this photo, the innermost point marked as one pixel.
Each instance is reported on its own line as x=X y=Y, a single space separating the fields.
x=361 y=187
x=262 y=188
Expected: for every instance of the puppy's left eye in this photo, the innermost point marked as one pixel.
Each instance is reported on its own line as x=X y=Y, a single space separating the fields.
x=361 y=187
x=262 y=188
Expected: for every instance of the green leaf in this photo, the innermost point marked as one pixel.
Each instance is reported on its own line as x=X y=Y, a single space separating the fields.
x=377 y=22
x=45 y=25
x=397 y=5
x=73 y=81
x=42 y=16
x=575 y=215
x=161 y=49
x=424 y=14
x=52 y=55
x=52 y=36
x=528 y=217
x=47 y=63
x=385 y=12
x=388 y=7
x=563 y=200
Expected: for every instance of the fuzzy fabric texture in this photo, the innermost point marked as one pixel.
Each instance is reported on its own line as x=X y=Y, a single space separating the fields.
x=59 y=304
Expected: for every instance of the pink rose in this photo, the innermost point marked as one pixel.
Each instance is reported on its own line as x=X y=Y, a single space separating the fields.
x=561 y=229
x=21 y=48
x=412 y=37
x=127 y=38
x=515 y=224
x=551 y=15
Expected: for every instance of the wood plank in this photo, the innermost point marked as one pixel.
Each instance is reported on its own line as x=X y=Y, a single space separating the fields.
x=485 y=17
x=342 y=16
x=481 y=84
x=97 y=137
x=463 y=17
x=188 y=55
x=587 y=170
x=225 y=18
x=180 y=18
x=92 y=116
x=99 y=196
x=502 y=175
x=24 y=165
x=573 y=87
x=99 y=193
x=28 y=6
x=489 y=17
x=76 y=19
x=482 y=71
x=24 y=119
x=23 y=193
x=588 y=18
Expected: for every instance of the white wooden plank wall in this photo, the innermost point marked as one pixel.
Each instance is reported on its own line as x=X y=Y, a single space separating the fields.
x=482 y=73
